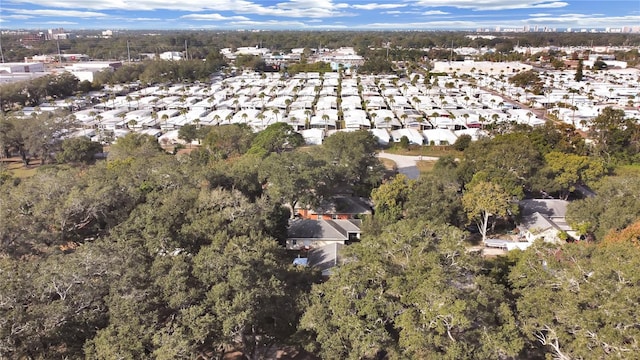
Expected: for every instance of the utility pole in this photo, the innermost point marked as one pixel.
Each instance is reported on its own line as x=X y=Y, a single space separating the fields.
x=451 y=54
x=186 y=50
x=59 y=56
x=1 y=53
x=128 y=53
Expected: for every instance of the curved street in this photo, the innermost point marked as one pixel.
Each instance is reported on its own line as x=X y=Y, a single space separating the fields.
x=406 y=164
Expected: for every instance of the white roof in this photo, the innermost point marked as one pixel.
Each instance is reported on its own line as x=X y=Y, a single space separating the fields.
x=413 y=135
x=439 y=135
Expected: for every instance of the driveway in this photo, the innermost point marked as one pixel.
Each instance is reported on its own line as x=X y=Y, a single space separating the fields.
x=407 y=164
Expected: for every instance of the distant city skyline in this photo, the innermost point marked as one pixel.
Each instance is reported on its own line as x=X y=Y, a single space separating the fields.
x=321 y=14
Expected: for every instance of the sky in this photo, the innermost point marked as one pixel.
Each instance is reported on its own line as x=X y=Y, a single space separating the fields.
x=317 y=14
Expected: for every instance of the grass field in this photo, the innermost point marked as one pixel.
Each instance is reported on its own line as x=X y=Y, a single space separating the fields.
x=425 y=166
x=435 y=151
x=628 y=170
x=17 y=169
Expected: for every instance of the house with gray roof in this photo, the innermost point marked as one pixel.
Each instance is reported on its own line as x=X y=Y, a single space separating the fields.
x=308 y=233
x=544 y=219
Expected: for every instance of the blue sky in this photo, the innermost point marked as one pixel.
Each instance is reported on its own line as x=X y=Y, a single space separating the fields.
x=316 y=14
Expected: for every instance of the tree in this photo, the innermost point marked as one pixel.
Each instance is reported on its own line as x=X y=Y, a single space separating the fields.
x=188 y=133
x=408 y=293
x=134 y=145
x=528 y=80
x=483 y=201
x=557 y=137
x=228 y=140
x=436 y=198
x=630 y=234
x=614 y=207
x=509 y=160
x=617 y=137
x=78 y=150
x=589 y=288
x=294 y=178
x=569 y=170
x=39 y=135
x=277 y=137
x=462 y=142
x=578 y=77
x=390 y=197
x=352 y=157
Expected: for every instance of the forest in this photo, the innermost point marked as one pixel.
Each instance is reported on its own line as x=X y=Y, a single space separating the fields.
x=152 y=255
x=402 y=45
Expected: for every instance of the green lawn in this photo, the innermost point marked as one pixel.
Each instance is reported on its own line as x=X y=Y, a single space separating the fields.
x=425 y=166
x=436 y=151
x=627 y=170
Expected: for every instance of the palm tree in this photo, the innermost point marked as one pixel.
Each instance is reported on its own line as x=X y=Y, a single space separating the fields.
x=294 y=120
x=529 y=115
x=373 y=118
x=392 y=100
x=308 y=121
x=216 y=118
x=416 y=102
x=387 y=120
x=236 y=103
x=122 y=115
x=325 y=117
x=99 y=120
x=164 y=119
x=261 y=96
x=244 y=117
x=404 y=118
x=261 y=118
x=276 y=112
x=132 y=123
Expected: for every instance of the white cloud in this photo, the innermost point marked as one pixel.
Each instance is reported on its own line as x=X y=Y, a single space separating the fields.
x=540 y=14
x=494 y=4
x=59 y=13
x=18 y=17
x=435 y=12
x=374 y=6
x=214 y=17
x=145 y=19
x=283 y=8
x=584 y=20
x=60 y=23
x=423 y=25
x=268 y=24
x=561 y=21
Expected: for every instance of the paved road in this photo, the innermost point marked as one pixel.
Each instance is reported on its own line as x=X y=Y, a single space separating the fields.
x=407 y=164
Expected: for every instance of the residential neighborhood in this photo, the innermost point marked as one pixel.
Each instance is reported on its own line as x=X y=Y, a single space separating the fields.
x=319 y=195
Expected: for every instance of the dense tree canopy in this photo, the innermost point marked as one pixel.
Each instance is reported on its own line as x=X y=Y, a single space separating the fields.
x=413 y=291
x=615 y=206
x=617 y=137
x=578 y=301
